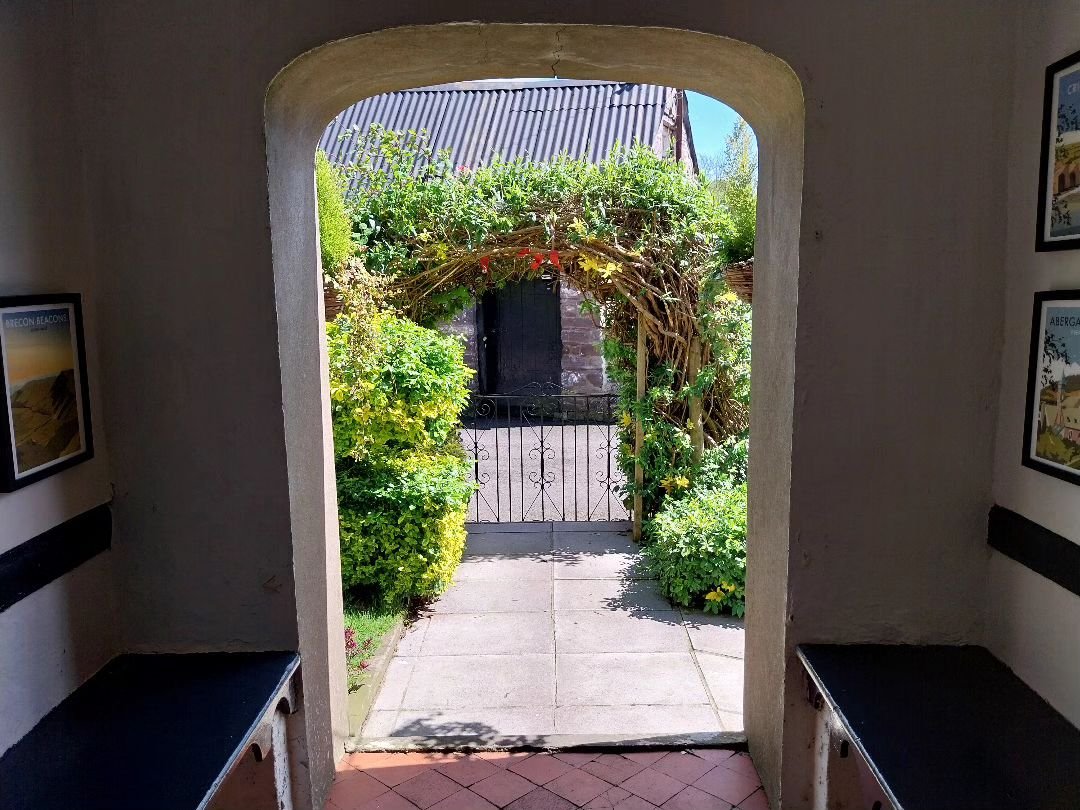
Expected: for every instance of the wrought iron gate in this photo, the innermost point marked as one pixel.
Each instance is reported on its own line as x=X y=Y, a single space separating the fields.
x=542 y=454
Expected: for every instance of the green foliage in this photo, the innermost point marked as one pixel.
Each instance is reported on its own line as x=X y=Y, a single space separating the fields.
x=631 y=228
x=697 y=548
x=396 y=392
x=667 y=453
x=402 y=523
x=724 y=465
x=414 y=207
x=734 y=185
x=394 y=386
x=335 y=227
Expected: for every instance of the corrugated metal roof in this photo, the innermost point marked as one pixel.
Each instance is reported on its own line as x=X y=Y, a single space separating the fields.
x=533 y=120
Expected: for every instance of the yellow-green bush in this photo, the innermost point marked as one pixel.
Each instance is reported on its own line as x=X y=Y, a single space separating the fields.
x=697 y=549
x=403 y=482
x=335 y=226
x=402 y=524
x=394 y=385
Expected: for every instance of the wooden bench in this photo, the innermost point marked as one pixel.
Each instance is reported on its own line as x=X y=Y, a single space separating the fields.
x=157 y=732
x=934 y=728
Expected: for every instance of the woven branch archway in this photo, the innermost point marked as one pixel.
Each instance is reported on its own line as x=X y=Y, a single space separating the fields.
x=628 y=290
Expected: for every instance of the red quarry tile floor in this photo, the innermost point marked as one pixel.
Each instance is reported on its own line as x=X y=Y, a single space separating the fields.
x=706 y=779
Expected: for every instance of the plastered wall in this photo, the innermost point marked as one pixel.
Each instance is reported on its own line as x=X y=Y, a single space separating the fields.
x=1032 y=623
x=51 y=641
x=897 y=309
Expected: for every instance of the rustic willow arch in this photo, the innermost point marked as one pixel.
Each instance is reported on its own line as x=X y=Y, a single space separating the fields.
x=633 y=293
x=635 y=233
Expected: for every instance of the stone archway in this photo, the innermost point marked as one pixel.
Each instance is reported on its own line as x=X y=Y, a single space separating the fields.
x=312 y=89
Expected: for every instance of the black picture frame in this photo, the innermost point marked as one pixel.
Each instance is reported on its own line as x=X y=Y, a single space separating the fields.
x=1045 y=240
x=1037 y=412
x=67 y=397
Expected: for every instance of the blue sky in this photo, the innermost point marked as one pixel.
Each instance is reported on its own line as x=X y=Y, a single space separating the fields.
x=711 y=122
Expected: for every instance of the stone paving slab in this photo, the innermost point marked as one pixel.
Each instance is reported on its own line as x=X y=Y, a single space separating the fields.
x=413 y=638
x=511 y=528
x=643 y=720
x=722 y=635
x=493 y=681
x=608 y=594
x=396 y=681
x=552 y=633
x=482 y=721
x=606 y=679
x=591 y=526
x=604 y=631
x=724 y=677
x=506 y=567
x=611 y=565
x=489 y=634
x=581 y=542
x=500 y=543
x=496 y=596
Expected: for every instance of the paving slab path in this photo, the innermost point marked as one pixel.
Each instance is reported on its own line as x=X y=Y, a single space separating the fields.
x=553 y=630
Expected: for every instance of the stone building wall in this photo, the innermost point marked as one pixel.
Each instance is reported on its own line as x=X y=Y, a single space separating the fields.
x=464 y=326
x=582 y=362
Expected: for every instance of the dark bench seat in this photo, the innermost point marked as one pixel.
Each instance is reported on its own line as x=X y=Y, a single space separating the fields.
x=946 y=728
x=147 y=731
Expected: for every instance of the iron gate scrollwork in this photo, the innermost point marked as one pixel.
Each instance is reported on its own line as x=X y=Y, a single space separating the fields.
x=540 y=453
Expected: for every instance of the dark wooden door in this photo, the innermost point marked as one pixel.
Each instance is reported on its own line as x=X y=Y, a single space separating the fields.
x=521 y=339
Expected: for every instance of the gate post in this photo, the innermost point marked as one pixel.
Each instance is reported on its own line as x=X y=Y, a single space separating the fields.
x=697 y=430
x=639 y=429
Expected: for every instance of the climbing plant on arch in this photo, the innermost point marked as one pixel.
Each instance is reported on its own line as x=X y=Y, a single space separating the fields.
x=635 y=233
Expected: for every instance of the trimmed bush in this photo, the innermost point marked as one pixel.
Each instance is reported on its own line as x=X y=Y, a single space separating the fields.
x=697 y=549
x=396 y=391
x=335 y=225
x=394 y=386
x=402 y=524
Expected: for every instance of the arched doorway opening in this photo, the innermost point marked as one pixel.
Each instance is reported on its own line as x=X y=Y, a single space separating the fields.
x=315 y=86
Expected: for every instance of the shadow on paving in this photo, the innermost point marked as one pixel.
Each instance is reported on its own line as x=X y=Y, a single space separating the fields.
x=554 y=631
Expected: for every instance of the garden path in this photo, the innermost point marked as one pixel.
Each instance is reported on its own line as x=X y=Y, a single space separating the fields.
x=551 y=629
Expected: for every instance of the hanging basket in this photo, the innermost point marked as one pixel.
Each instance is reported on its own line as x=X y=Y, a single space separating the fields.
x=740 y=278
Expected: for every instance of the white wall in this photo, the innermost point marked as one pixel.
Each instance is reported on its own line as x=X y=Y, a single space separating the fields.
x=52 y=640
x=1032 y=623
x=898 y=310
x=914 y=153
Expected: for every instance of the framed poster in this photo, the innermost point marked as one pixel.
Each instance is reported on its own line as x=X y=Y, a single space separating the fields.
x=1052 y=430
x=45 y=419
x=1059 y=164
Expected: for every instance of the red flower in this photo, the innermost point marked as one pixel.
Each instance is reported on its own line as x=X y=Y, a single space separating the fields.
x=553 y=257
x=484 y=262
x=523 y=252
x=538 y=259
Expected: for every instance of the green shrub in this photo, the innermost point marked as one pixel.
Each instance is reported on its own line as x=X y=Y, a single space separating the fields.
x=697 y=549
x=402 y=524
x=724 y=465
x=396 y=392
x=335 y=225
x=394 y=386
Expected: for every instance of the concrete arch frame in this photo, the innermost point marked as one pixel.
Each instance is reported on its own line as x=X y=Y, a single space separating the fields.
x=313 y=88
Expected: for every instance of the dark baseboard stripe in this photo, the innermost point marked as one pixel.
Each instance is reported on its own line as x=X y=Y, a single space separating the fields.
x=1035 y=546
x=37 y=562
